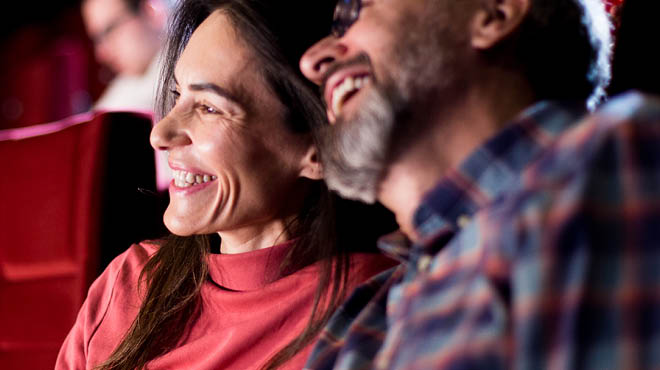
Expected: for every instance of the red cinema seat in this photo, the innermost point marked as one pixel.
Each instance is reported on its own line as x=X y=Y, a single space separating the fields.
x=71 y=200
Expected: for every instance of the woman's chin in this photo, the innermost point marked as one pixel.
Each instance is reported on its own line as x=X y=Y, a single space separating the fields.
x=179 y=232
x=180 y=226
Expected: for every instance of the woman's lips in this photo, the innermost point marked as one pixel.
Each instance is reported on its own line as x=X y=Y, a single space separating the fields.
x=185 y=179
x=189 y=189
x=189 y=181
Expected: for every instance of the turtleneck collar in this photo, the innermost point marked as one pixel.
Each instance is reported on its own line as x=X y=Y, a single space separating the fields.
x=248 y=271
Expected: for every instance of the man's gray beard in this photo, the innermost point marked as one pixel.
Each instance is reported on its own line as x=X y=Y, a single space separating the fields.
x=354 y=152
x=423 y=69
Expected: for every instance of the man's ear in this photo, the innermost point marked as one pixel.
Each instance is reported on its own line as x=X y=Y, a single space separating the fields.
x=495 y=20
x=310 y=164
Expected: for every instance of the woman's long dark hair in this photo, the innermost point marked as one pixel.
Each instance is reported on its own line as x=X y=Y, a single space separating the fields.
x=279 y=32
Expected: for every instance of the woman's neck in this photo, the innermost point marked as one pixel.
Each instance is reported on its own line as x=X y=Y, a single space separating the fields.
x=254 y=237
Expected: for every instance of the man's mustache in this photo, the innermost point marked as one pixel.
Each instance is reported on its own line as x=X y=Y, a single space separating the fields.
x=362 y=58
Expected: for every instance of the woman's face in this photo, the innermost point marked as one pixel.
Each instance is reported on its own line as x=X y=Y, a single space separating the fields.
x=237 y=168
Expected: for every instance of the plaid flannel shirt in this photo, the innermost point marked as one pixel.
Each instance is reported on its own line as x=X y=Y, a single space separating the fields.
x=541 y=251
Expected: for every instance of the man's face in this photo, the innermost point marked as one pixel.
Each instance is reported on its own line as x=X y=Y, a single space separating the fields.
x=124 y=41
x=395 y=67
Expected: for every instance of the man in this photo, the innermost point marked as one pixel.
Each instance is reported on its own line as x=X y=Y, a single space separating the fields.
x=127 y=36
x=531 y=233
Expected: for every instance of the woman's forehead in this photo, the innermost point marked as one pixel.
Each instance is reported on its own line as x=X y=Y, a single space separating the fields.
x=215 y=54
x=214 y=46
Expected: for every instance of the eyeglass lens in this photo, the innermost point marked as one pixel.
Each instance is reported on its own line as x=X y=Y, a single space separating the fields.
x=346 y=13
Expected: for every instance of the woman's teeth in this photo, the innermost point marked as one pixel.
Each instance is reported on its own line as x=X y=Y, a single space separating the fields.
x=346 y=88
x=184 y=179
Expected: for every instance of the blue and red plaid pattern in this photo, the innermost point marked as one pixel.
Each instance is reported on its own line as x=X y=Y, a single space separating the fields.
x=541 y=251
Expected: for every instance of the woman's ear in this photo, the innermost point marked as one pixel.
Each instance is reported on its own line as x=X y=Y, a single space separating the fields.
x=310 y=165
x=495 y=20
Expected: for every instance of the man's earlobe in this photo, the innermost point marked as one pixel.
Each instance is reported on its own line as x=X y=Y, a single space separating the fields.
x=311 y=167
x=495 y=20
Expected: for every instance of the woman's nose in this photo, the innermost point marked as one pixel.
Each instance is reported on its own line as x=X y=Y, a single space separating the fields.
x=318 y=58
x=169 y=133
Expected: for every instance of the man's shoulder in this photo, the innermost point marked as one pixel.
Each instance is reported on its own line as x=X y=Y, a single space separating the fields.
x=629 y=112
x=369 y=292
x=632 y=105
x=354 y=333
x=622 y=120
x=595 y=170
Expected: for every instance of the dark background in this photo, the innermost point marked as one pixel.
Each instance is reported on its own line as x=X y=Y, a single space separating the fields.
x=48 y=69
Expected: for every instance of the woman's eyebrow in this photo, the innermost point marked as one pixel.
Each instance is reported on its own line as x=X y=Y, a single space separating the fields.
x=214 y=88
x=209 y=86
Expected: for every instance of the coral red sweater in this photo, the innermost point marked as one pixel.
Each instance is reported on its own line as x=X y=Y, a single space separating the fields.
x=248 y=312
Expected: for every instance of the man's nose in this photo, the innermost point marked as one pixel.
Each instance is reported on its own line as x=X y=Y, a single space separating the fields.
x=317 y=59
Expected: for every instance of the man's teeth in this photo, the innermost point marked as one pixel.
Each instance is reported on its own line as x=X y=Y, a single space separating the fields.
x=184 y=179
x=349 y=86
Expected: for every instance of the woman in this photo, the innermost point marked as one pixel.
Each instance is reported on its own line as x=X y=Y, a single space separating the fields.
x=237 y=117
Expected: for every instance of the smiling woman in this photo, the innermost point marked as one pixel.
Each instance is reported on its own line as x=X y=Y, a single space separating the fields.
x=236 y=116
x=239 y=170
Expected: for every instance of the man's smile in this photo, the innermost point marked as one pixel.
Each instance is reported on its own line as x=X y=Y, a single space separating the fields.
x=342 y=86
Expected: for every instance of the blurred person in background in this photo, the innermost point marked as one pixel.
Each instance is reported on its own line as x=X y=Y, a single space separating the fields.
x=127 y=37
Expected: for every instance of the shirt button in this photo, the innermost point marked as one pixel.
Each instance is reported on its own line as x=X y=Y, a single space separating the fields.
x=463 y=220
x=423 y=263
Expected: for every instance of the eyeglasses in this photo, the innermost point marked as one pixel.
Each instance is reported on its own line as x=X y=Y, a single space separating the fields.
x=346 y=13
x=111 y=27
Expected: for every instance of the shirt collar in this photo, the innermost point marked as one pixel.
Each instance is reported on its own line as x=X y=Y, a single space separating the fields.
x=249 y=271
x=487 y=172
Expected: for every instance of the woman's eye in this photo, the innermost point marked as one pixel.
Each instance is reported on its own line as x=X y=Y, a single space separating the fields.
x=176 y=94
x=208 y=109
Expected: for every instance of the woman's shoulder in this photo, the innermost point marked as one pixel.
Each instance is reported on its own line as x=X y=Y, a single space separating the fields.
x=130 y=262
x=362 y=267
x=108 y=310
x=365 y=265
x=118 y=285
x=137 y=255
x=122 y=273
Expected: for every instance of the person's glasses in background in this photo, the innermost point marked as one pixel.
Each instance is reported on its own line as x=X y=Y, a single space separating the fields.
x=98 y=37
